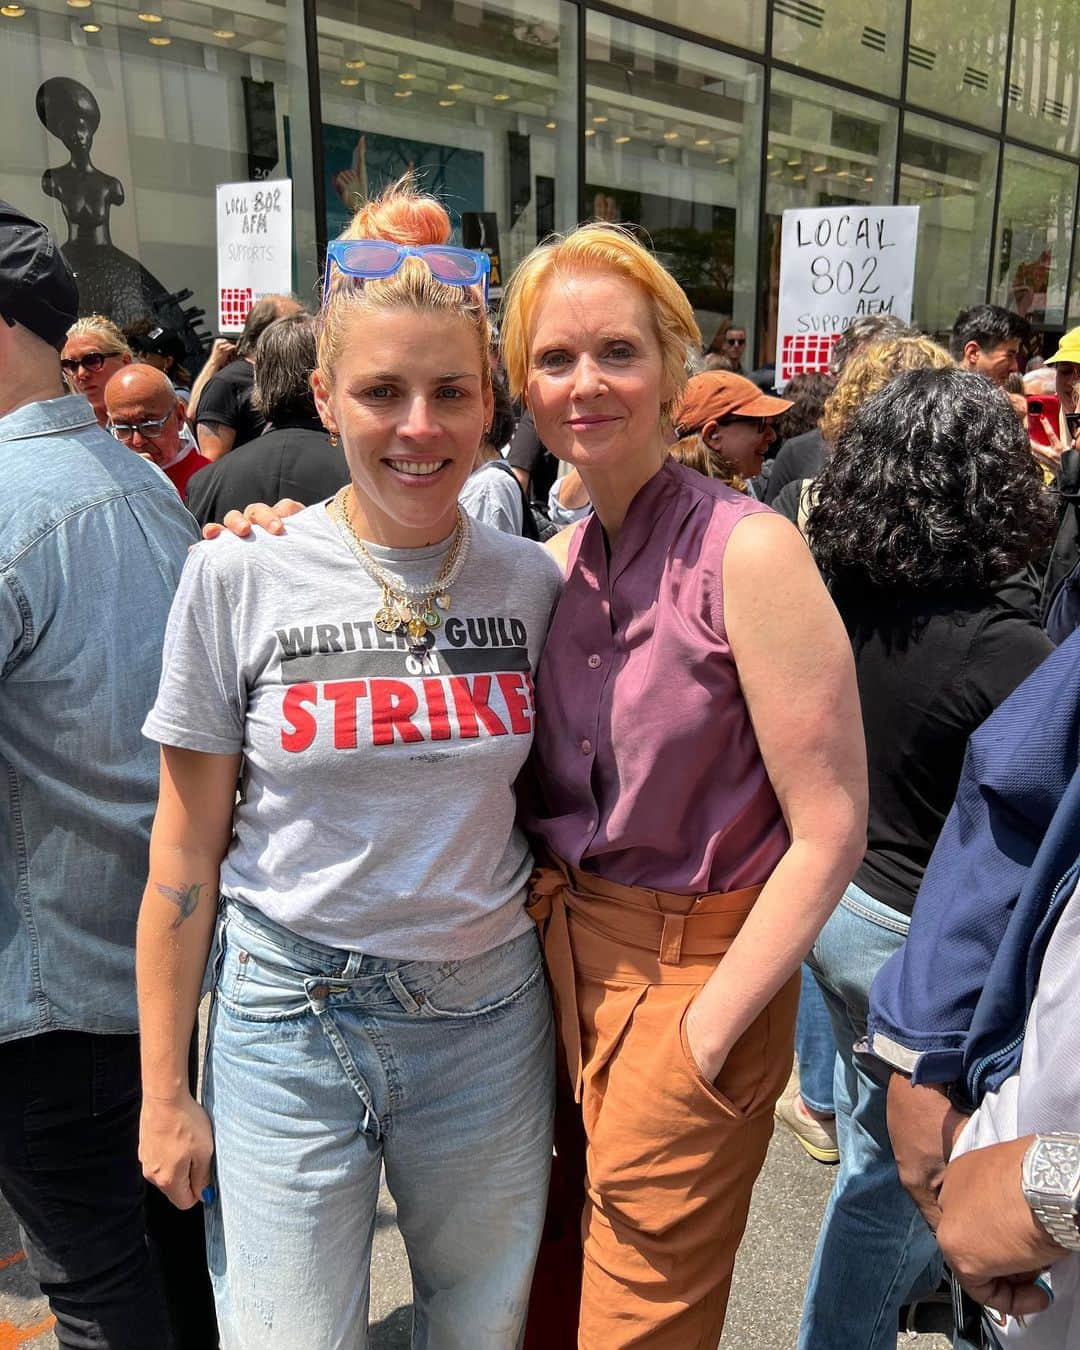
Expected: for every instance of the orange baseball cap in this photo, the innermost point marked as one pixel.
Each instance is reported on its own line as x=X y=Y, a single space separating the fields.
x=722 y=393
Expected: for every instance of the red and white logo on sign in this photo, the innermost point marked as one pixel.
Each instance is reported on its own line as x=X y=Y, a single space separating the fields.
x=234 y=302
x=802 y=354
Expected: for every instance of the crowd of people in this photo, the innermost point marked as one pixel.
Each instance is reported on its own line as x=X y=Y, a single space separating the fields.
x=552 y=733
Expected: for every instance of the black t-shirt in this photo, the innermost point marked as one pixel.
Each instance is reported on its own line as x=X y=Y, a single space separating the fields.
x=801 y=457
x=929 y=673
x=226 y=402
x=293 y=460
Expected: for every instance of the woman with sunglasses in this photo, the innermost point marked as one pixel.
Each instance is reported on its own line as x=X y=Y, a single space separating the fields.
x=94 y=351
x=728 y=342
x=379 y=998
x=732 y=419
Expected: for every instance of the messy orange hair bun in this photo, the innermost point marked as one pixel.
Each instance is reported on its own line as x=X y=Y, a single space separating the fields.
x=401 y=214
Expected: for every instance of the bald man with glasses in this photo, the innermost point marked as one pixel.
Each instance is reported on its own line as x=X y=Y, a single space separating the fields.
x=146 y=415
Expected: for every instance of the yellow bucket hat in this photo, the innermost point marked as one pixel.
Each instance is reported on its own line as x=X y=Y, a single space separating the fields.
x=1068 y=349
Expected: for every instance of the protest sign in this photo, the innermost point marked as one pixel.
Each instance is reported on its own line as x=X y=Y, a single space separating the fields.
x=838 y=263
x=254 y=236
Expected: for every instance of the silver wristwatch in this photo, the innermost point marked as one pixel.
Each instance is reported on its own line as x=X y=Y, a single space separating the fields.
x=1050 y=1176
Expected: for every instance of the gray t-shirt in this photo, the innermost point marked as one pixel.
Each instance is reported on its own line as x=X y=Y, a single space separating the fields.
x=492 y=495
x=377 y=797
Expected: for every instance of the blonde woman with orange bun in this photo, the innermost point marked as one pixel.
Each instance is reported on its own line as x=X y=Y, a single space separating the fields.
x=700 y=795
x=379 y=997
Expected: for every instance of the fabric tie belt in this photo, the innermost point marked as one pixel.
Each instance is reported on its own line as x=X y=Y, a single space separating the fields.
x=659 y=924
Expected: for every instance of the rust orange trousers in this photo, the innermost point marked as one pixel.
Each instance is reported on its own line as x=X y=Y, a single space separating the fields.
x=665 y=1160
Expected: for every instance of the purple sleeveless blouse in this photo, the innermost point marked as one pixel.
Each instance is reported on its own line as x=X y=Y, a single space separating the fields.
x=647 y=769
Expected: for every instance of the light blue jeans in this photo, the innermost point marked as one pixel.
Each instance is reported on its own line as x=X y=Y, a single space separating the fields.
x=815 y=1046
x=874 y=1252
x=324 y=1065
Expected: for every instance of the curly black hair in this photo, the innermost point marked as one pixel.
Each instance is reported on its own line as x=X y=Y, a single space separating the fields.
x=931 y=486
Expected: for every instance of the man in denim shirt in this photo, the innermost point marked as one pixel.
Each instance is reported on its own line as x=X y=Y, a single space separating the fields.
x=91 y=549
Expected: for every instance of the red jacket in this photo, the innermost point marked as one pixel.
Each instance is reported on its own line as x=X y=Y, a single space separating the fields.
x=181 y=470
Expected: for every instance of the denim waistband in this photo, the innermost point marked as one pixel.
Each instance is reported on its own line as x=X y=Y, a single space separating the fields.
x=862 y=903
x=317 y=958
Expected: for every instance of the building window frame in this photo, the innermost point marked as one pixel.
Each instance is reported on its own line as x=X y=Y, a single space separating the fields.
x=769 y=64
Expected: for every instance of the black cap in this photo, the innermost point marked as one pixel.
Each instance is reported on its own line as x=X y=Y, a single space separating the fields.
x=159 y=342
x=37 y=288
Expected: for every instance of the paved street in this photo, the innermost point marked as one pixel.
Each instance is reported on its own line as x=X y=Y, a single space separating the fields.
x=765 y=1301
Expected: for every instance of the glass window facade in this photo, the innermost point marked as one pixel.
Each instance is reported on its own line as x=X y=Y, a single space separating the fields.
x=827 y=147
x=697 y=123
x=121 y=121
x=1044 y=93
x=739 y=23
x=956 y=58
x=858 y=41
x=944 y=171
x=479 y=100
x=673 y=145
x=1034 y=236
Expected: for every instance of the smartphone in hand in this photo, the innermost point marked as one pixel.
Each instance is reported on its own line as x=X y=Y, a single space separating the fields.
x=1042 y=406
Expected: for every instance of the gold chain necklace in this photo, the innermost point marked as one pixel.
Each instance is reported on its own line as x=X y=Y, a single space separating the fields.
x=409 y=611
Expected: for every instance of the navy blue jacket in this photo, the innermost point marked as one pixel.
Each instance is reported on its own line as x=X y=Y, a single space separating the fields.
x=951 y=1005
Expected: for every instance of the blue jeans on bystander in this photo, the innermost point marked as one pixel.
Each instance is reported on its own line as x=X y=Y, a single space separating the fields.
x=815 y=1046
x=874 y=1252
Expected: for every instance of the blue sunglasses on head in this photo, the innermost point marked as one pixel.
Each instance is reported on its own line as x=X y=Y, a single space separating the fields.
x=373 y=259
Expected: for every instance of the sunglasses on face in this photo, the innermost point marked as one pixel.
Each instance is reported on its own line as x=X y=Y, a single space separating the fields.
x=758 y=424
x=148 y=430
x=374 y=259
x=94 y=361
x=734 y=342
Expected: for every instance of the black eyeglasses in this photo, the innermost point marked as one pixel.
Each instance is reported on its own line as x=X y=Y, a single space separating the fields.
x=148 y=430
x=93 y=361
x=759 y=424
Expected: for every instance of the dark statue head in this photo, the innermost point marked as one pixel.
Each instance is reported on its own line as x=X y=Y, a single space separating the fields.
x=69 y=111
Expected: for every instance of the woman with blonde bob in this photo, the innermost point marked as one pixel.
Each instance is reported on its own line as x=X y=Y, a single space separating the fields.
x=94 y=351
x=700 y=794
x=379 y=998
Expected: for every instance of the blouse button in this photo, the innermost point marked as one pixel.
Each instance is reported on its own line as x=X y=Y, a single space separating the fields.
x=594 y=662
x=586 y=747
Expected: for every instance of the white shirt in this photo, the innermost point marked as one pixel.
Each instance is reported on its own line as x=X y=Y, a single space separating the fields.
x=1042 y=1096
